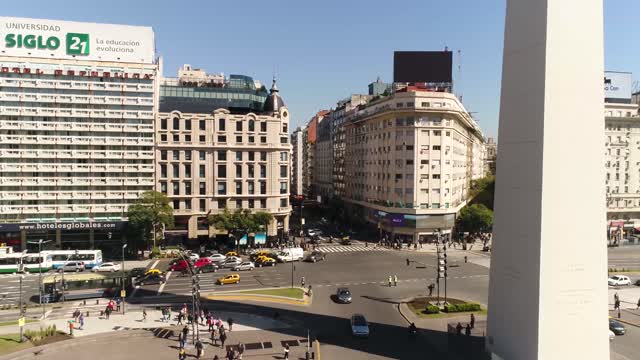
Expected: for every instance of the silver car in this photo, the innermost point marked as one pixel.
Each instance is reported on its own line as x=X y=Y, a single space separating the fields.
x=231 y=263
x=247 y=265
x=359 y=326
x=76 y=266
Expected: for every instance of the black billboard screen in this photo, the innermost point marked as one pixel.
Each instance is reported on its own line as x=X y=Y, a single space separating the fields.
x=422 y=66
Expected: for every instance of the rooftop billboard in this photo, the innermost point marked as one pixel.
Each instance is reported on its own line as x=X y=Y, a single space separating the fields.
x=55 y=39
x=617 y=85
x=422 y=66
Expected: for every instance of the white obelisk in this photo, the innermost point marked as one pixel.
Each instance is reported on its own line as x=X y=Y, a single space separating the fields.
x=548 y=286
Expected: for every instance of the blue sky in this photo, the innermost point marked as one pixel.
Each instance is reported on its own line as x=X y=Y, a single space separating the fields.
x=323 y=51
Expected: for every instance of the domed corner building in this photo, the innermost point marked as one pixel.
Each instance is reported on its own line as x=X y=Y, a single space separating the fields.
x=222 y=142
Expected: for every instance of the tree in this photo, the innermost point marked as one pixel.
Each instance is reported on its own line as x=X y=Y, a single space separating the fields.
x=149 y=213
x=475 y=219
x=240 y=222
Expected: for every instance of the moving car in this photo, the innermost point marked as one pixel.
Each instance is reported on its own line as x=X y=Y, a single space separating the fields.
x=150 y=280
x=76 y=266
x=247 y=265
x=194 y=257
x=153 y=271
x=231 y=253
x=107 y=267
x=315 y=256
x=232 y=262
x=137 y=272
x=202 y=262
x=343 y=295
x=345 y=241
x=618 y=280
x=179 y=266
x=359 y=326
x=616 y=327
x=265 y=261
x=229 y=279
x=290 y=254
x=207 y=268
x=611 y=335
x=217 y=258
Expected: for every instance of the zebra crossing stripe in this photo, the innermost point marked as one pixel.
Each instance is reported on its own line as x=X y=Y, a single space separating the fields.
x=353 y=248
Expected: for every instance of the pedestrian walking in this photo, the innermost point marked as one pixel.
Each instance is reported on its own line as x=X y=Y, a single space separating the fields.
x=230 y=322
x=390 y=280
x=395 y=280
x=473 y=321
x=181 y=339
x=467 y=330
x=189 y=318
x=431 y=287
x=185 y=333
x=286 y=351
x=168 y=313
x=180 y=317
x=459 y=328
x=201 y=316
x=182 y=354
x=240 y=350
x=210 y=323
x=214 y=337
x=118 y=302
x=107 y=312
x=619 y=315
x=199 y=349
x=638 y=304
x=144 y=315
x=302 y=281
x=76 y=314
x=71 y=328
x=616 y=305
x=81 y=318
x=616 y=298
x=223 y=338
x=465 y=259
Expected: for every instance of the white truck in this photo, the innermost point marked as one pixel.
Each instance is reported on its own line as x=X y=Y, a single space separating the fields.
x=290 y=254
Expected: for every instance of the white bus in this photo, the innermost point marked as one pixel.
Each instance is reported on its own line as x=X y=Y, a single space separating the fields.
x=11 y=263
x=90 y=258
x=35 y=262
x=59 y=257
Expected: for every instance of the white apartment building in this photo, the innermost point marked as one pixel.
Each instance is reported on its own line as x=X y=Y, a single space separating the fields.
x=211 y=160
x=323 y=160
x=409 y=160
x=297 y=145
x=77 y=104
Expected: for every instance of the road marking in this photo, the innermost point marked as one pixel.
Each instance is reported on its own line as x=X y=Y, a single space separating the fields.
x=154 y=264
x=164 y=283
x=133 y=294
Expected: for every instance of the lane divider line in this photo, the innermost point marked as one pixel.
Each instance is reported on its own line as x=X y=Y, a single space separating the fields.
x=164 y=283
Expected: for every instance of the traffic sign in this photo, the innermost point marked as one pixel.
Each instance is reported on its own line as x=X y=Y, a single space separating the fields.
x=21 y=321
x=123 y=293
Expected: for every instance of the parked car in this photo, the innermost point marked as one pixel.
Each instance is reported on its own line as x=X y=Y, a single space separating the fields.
x=202 y=262
x=217 y=258
x=315 y=256
x=76 y=266
x=619 y=280
x=616 y=327
x=107 y=267
x=229 y=279
x=246 y=265
x=207 y=268
x=266 y=261
x=179 y=266
x=153 y=271
x=232 y=262
x=137 y=272
x=150 y=280
x=343 y=295
x=359 y=326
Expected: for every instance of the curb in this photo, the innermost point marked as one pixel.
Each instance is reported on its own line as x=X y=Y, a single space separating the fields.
x=627 y=322
x=259 y=297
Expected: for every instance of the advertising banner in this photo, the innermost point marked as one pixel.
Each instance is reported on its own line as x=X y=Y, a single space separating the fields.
x=70 y=225
x=617 y=85
x=39 y=38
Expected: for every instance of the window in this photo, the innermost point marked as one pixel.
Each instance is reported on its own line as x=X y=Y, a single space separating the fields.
x=176 y=188
x=250 y=169
x=187 y=155
x=283 y=171
x=176 y=170
x=176 y=138
x=221 y=125
x=163 y=187
x=163 y=137
x=176 y=124
x=283 y=188
x=222 y=155
x=163 y=170
x=435 y=176
x=187 y=188
x=436 y=147
x=202 y=138
x=448 y=133
x=399 y=105
x=409 y=162
x=163 y=124
x=263 y=171
x=239 y=125
x=263 y=126
x=222 y=138
x=238 y=187
x=222 y=204
x=263 y=139
x=284 y=140
x=285 y=128
x=202 y=155
x=239 y=139
x=176 y=204
x=252 y=125
x=251 y=156
x=409 y=147
x=202 y=173
x=203 y=125
x=250 y=188
x=202 y=188
x=435 y=205
x=263 y=187
x=222 y=188
x=222 y=171
x=251 y=204
x=252 y=139
x=263 y=203
x=263 y=156
x=203 y=205
x=187 y=204
x=239 y=204
x=187 y=125
x=187 y=171
x=187 y=138
x=163 y=154
x=238 y=171
x=238 y=155
x=176 y=155
x=283 y=202
x=436 y=133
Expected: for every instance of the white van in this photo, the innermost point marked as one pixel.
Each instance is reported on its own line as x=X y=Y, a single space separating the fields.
x=290 y=254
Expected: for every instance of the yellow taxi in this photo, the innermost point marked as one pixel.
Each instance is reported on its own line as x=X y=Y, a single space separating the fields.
x=229 y=279
x=265 y=261
x=231 y=253
x=153 y=272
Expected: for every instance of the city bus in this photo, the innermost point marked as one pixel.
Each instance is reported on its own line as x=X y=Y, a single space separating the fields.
x=82 y=286
x=90 y=258
x=11 y=263
x=59 y=257
x=37 y=262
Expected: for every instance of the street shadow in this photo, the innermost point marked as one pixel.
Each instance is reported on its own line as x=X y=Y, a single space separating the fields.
x=384 y=300
x=385 y=340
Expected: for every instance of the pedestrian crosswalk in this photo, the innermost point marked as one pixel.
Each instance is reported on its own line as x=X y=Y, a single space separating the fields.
x=350 y=248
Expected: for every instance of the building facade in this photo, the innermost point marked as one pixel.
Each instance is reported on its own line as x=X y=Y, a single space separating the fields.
x=235 y=157
x=310 y=137
x=409 y=161
x=297 y=146
x=323 y=162
x=76 y=131
x=491 y=149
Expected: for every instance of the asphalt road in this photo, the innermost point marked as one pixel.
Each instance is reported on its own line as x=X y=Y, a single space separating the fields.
x=627 y=257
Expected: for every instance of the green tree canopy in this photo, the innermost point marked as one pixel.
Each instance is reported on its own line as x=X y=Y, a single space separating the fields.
x=152 y=208
x=240 y=222
x=475 y=219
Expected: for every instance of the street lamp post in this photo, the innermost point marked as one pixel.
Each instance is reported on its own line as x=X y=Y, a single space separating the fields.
x=124 y=277
x=21 y=309
x=40 y=242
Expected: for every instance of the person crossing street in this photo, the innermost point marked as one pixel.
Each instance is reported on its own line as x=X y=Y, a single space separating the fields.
x=395 y=280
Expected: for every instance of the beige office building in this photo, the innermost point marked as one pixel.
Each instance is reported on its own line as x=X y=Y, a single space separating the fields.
x=409 y=161
x=222 y=147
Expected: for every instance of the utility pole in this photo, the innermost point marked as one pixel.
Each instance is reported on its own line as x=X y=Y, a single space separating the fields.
x=124 y=277
x=40 y=242
x=21 y=310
